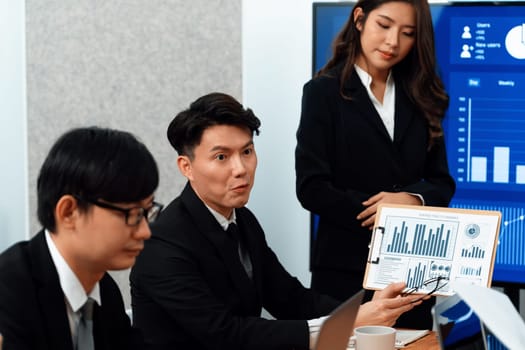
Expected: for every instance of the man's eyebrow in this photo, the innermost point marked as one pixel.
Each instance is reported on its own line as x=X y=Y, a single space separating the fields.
x=224 y=148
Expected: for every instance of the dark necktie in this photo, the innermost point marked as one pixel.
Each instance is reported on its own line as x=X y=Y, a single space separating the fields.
x=244 y=257
x=85 y=327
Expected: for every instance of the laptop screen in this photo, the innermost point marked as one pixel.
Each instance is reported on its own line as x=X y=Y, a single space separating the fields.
x=336 y=330
x=459 y=328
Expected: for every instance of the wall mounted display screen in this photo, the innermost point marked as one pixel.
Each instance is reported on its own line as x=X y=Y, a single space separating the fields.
x=480 y=49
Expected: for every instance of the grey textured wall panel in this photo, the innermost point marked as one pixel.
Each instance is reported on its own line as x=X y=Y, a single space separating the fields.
x=130 y=65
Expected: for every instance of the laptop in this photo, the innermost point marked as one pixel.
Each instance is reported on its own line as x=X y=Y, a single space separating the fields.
x=459 y=327
x=336 y=330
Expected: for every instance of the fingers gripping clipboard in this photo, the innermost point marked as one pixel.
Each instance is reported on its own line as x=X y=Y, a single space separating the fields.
x=421 y=244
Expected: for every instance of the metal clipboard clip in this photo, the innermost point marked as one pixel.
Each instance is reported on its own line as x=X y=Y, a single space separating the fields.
x=375 y=245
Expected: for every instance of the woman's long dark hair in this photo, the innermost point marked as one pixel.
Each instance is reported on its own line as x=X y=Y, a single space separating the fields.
x=417 y=71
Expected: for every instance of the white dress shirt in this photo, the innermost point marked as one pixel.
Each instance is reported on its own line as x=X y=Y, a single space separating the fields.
x=74 y=293
x=386 y=110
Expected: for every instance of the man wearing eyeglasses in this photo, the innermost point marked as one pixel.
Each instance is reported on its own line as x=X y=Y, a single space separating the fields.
x=95 y=198
x=207 y=272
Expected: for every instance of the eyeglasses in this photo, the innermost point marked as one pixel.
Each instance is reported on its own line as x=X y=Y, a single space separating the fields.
x=133 y=215
x=429 y=286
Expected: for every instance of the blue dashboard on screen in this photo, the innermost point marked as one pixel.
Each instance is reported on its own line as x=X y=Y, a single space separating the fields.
x=480 y=49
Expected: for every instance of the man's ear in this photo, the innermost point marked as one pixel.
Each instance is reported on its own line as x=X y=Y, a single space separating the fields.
x=358 y=18
x=66 y=211
x=184 y=164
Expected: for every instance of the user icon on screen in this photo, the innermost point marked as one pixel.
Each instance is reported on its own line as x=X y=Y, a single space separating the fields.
x=466 y=33
x=465 y=53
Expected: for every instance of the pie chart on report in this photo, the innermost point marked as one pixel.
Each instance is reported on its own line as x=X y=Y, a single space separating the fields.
x=515 y=42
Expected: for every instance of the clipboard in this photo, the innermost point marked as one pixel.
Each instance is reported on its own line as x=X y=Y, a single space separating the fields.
x=416 y=244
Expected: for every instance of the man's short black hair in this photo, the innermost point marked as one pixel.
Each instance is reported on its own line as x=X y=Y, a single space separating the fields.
x=95 y=163
x=186 y=129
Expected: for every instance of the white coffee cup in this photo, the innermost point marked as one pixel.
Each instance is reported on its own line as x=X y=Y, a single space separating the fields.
x=375 y=338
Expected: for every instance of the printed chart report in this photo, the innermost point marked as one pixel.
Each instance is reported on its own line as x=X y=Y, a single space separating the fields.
x=416 y=244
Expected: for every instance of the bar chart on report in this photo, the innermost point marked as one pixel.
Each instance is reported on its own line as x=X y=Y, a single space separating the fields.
x=424 y=244
x=428 y=238
x=510 y=256
x=416 y=275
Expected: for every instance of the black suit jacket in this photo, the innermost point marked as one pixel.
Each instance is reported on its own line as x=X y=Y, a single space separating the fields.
x=32 y=305
x=190 y=292
x=344 y=155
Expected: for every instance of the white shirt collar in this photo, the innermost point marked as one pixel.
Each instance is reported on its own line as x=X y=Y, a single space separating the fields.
x=70 y=284
x=366 y=78
x=386 y=110
x=224 y=222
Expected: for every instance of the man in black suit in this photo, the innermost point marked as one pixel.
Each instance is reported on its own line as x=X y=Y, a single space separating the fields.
x=95 y=195
x=207 y=271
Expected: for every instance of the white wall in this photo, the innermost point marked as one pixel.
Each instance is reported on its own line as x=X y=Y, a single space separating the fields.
x=277 y=59
x=13 y=150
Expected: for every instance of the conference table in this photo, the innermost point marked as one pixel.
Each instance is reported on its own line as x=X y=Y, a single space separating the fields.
x=428 y=342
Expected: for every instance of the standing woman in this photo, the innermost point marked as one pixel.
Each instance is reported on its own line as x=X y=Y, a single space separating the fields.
x=370 y=133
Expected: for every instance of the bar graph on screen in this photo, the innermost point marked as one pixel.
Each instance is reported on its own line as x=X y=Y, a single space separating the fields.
x=488 y=147
x=487 y=157
x=510 y=253
x=416 y=244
